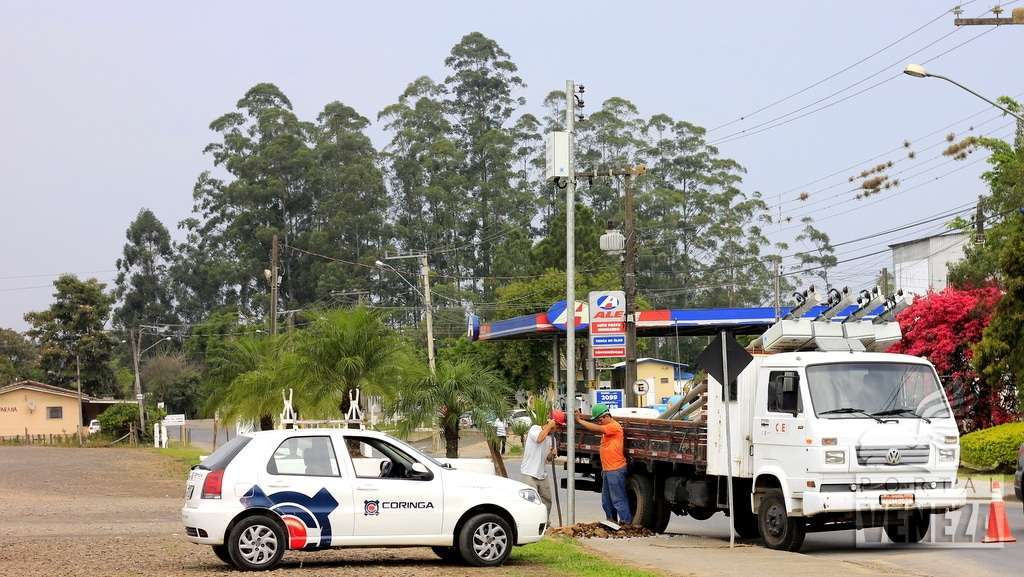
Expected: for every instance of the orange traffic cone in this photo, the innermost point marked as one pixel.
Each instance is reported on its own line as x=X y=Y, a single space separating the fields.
x=998 y=525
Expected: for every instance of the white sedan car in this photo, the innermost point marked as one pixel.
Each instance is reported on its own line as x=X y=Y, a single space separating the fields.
x=306 y=489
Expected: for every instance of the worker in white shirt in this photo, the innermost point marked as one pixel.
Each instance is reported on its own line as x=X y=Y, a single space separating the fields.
x=501 y=431
x=538 y=451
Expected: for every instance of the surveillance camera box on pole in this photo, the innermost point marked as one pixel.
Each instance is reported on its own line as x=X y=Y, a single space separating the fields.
x=556 y=156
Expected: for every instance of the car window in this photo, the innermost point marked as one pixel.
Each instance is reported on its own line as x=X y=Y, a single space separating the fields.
x=225 y=453
x=378 y=459
x=310 y=456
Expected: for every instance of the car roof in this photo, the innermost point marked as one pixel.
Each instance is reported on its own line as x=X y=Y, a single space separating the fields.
x=285 y=433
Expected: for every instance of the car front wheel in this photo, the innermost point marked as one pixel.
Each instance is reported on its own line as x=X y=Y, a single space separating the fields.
x=485 y=540
x=256 y=543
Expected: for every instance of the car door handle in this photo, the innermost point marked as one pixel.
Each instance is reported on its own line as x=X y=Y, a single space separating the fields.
x=366 y=487
x=277 y=485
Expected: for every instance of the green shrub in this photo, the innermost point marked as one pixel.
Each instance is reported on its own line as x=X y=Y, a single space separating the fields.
x=115 y=421
x=992 y=449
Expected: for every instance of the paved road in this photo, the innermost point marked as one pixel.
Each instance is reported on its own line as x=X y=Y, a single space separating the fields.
x=938 y=557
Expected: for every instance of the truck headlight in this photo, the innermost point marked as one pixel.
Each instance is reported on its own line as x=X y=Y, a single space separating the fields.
x=947 y=454
x=835 y=457
x=530 y=495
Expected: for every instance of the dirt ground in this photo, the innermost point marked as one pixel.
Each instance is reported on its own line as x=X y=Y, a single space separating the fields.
x=106 y=512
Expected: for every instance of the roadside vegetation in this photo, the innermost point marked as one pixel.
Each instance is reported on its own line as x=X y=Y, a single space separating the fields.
x=567 y=557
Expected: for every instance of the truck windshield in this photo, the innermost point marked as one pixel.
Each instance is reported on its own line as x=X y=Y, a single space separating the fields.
x=867 y=390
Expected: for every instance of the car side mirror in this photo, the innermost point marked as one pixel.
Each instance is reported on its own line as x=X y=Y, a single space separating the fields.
x=420 y=471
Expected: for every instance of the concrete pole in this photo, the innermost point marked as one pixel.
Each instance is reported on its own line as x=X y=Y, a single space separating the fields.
x=135 y=336
x=78 y=379
x=425 y=273
x=570 y=305
x=728 y=441
x=273 y=286
x=629 y=284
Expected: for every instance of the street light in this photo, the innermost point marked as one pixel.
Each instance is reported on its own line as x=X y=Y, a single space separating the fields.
x=918 y=71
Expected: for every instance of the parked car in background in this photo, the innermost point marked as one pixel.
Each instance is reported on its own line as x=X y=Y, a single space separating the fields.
x=94 y=426
x=520 y=415
x=465 y=420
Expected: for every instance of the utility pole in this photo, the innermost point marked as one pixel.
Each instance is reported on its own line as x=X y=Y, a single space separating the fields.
x=273 y=285
x=570 y=303
x=425 y=274
x=778 y=287
x=135 y=336
x=885 y=282
x=629 y=281
x=979 y=222
x=427 y=303
x=78 y=379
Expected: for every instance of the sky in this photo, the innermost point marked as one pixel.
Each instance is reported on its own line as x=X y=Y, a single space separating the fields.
x=105 y=105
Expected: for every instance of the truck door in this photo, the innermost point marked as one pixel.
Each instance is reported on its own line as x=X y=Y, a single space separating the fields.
x=779 y=423
x=391 y=497
x=303 y=483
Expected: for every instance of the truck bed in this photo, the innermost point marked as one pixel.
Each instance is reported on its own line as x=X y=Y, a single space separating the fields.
x=648 y=440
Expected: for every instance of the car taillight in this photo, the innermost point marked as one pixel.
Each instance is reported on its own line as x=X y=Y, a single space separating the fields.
x=212 y=484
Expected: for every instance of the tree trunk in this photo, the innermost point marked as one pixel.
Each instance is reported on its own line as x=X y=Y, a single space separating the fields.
x=266 y=423
x=499 y=462
x=451 y=441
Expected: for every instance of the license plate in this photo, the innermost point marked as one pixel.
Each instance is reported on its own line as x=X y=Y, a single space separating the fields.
x=896 y=500
x=188 y=492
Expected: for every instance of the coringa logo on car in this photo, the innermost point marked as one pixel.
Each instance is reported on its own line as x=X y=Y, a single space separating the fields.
x=371 y=507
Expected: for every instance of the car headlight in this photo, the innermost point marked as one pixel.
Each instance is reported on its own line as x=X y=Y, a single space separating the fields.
x=947 y=454
x=530 y=495
x=835 y=457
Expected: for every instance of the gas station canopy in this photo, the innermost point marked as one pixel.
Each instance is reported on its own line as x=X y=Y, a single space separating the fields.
x=652 y=323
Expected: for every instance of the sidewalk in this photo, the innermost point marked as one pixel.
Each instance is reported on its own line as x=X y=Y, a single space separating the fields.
x=708 y=557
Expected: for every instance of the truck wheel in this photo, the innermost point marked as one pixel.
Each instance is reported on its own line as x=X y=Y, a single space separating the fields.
x=640 y=493
x=256 y=543
x=221 y=551
x=907 y=527
x=662 y=516
x=450 y=554
x=485 y=540
x=778 y=529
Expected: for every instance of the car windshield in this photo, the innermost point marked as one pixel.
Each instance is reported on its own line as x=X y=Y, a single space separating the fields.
x=867 y=390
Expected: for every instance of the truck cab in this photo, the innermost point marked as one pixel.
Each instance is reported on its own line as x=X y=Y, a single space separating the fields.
x=837 y=440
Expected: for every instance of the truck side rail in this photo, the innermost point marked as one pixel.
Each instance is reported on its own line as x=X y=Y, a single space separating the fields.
x=649 y=440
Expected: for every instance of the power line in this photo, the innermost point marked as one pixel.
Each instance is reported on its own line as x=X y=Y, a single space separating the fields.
x=834 y=74
x=782 y=119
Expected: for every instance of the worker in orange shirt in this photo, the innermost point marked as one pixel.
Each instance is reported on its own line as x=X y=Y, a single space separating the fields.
x=613 y=463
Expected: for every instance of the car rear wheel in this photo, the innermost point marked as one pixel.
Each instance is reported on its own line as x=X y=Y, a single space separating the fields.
x=778 y=529
x=450 y=554
x=221 y=551
x=485 y=540
x=256 y=543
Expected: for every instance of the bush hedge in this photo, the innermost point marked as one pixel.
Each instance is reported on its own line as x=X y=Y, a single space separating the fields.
x=992 y=449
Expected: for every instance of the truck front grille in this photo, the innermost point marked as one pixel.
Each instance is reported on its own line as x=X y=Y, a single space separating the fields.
x=893 y=456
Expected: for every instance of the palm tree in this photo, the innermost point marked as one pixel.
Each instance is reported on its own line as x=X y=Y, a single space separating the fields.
x=342 y=350
x=249 y=379
x=457 y=387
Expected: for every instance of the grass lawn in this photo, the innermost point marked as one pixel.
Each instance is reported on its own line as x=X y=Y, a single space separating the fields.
x=566 y=557
x=183 y=457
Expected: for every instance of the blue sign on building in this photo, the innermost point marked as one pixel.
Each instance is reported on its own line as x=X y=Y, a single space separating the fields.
x=611 y=397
